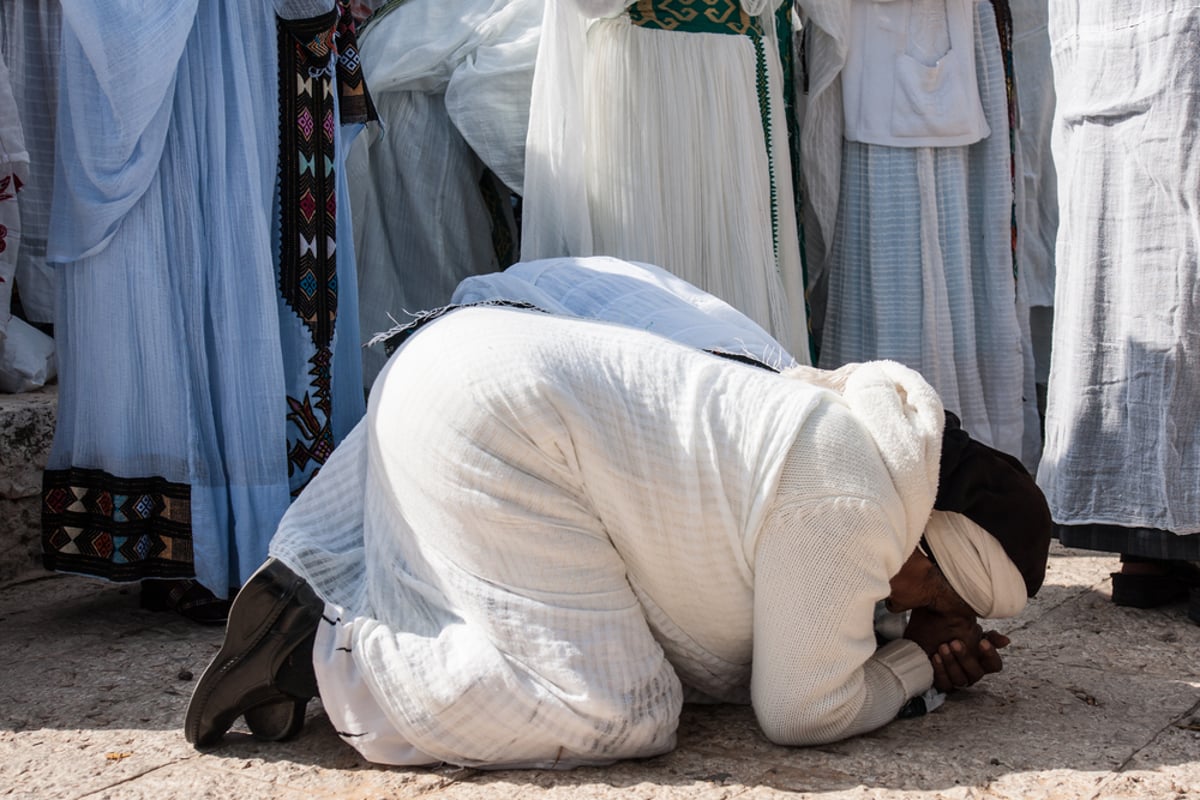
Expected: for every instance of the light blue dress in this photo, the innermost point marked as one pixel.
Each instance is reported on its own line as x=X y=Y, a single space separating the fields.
x=195 y=401
x=921 y=267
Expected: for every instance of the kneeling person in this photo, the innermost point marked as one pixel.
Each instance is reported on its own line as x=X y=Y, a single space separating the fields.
x=546 y=528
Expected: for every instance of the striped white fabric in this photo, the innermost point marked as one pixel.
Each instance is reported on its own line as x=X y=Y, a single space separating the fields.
x=30 y=41
x=639 y=295
x=921 y=270
x=649 y=145
x=1121 y=443
x=511 y=542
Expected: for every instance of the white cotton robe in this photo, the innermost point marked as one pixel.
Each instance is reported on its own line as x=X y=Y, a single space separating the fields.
x=511 y=542
x=639 y=295
x=451 y=83
x=1122 y=419
x=920 y=257
x=649 y=145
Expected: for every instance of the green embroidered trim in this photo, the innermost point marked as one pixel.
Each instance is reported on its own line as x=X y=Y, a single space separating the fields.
x=728 y=17
x=764 y=110
x=788 y=60
x=695 y=16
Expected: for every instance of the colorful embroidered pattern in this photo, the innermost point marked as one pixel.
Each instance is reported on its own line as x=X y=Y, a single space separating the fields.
x=308 y=196
x=354 y=101
x=311 y=53
x=695 y=16
x=314 y=442
x=121 y=529
x=308 y=225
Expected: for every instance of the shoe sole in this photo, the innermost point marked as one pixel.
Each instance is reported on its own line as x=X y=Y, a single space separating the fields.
x=234 y=649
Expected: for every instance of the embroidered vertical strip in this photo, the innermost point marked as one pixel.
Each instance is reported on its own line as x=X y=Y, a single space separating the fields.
x=764 y=109
x=308 y=222
x=787 y=60
x=354 y=101
x=307 y=262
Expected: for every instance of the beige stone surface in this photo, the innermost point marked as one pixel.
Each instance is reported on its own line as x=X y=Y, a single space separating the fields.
x=26 y=428
x=1095 y=702
x=26 y=432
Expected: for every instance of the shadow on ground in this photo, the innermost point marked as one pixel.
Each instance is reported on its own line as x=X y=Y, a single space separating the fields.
x=1088 y=689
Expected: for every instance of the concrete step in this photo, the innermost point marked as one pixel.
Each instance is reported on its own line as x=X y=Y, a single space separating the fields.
x=26 y=431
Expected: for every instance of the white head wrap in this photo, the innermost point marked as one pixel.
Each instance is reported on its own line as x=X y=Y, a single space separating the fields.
x=975 y=565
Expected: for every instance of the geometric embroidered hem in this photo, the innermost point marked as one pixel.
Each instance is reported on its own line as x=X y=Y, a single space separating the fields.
x=121 y=529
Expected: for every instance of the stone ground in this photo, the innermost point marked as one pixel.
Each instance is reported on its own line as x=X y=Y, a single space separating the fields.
x=1095 y=702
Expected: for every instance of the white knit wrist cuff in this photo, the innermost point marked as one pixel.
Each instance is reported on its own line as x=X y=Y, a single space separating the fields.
x=908 y=662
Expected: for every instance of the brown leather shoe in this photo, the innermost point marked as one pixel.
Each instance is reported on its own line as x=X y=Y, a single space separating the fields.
x=264 y=668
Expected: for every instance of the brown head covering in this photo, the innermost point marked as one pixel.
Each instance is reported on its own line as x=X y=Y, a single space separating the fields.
x=996 y=492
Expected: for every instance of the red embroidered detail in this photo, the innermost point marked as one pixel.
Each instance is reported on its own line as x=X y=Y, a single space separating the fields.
x=307 y=205
x=328 y=124
x=306 y=123
x=122 y=529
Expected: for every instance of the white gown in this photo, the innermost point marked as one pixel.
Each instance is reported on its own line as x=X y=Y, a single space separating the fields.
x=1122 y=424
x=454 y=629
x=920 y=264
x=626 y=158
x=430 y=184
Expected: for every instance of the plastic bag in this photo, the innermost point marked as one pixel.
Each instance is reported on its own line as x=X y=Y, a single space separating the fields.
x=26 y=358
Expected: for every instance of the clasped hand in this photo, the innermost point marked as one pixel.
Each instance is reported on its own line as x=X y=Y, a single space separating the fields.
x=960 y=652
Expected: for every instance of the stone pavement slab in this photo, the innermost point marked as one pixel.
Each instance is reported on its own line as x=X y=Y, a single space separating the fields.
x=1095 y=702
x=26 y=431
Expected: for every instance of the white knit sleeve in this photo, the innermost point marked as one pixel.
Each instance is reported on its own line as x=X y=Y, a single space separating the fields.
x=820 y=567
